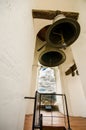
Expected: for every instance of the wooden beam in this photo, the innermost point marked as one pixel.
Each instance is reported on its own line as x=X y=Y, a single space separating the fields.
x=50 y=14
x=71 y=70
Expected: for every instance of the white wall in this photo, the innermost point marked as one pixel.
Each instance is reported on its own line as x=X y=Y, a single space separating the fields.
x=16 y=57
x=55 y=5
x=59 y=90
x=75 y=97
x=72 y=87
x=79 y=47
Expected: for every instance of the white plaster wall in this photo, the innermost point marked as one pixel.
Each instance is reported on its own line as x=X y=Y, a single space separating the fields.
x=77 y=99
x=16 y=57
x=75 y=96
x=72 y=87
x=55 y=4
x=59 y=90
x=79 y=47
x=58 y=81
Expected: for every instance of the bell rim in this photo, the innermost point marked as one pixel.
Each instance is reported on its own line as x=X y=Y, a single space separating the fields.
x=46 y=51
x=66 y=20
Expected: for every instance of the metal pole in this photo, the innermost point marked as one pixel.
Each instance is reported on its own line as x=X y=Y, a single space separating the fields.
x=67 y=112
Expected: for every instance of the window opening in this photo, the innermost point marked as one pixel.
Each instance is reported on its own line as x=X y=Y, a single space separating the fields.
x=47 y=84
x=46 y=80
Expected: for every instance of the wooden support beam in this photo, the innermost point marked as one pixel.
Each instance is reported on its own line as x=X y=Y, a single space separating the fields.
x=50 y=14
x=71 y=70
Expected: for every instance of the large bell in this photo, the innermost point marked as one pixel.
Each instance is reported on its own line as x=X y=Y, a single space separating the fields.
x=63 y=32
x=52 y=57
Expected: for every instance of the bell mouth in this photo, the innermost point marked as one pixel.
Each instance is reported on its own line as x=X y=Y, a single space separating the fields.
x=52 y=58
x=65 y=30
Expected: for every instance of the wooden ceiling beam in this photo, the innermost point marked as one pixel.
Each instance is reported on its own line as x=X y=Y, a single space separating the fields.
x=50 y=14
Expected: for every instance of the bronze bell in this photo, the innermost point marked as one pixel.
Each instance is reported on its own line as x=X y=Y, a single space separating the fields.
x=42 y=33
x=51 y=57
x=63 y=32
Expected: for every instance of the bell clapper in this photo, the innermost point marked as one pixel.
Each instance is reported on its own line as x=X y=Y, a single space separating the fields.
x=62 y=40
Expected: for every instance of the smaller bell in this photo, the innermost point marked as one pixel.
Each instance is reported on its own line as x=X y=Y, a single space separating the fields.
x=52 y=57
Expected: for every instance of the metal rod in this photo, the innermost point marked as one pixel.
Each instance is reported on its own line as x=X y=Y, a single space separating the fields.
x=29 y=97
x=34 y=111
x=67 y=113
x=41 y=121
x=55 y=116
x=51 y=94
x=42 y=46
x=39 y=103
x=51 y=113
